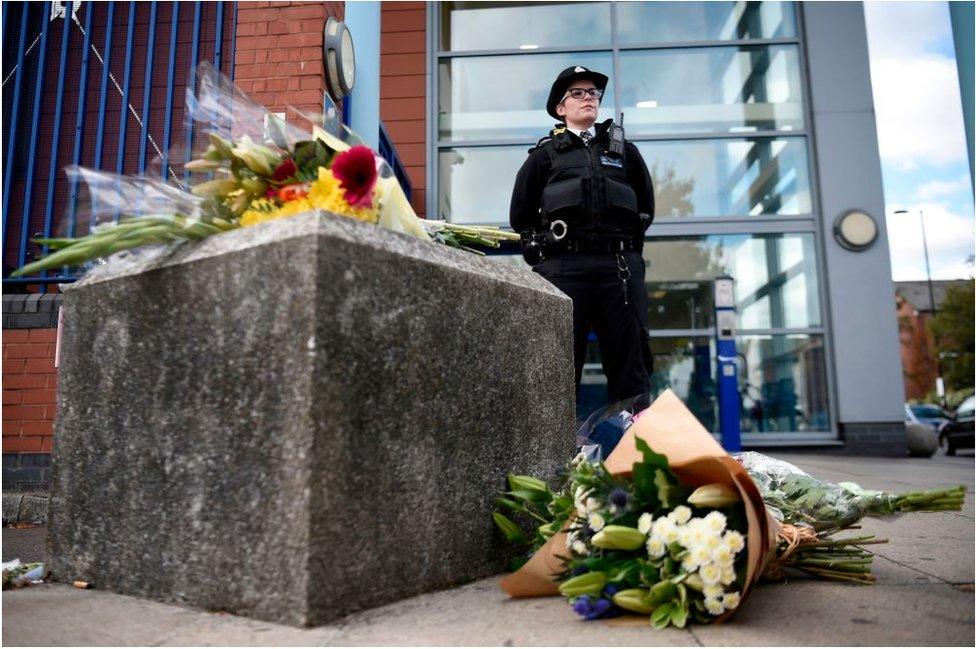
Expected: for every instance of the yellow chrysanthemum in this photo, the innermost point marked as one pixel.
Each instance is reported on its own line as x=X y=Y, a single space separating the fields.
x=325 y=194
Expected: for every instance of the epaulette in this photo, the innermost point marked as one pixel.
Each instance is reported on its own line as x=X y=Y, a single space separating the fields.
x=541 y=143
x=555 y=133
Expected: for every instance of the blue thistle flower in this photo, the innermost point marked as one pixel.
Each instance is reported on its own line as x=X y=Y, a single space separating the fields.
x=619 y=497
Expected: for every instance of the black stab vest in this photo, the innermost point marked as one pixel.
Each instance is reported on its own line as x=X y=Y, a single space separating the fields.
x=588 y=188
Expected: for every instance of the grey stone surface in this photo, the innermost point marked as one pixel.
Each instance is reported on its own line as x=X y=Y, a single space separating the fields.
x=301 y=419
x=33 y=508
x=11 y=507
x=884 y=439
x=922 y=440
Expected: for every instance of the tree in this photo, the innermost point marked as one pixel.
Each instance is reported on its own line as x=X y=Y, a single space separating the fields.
x=954 y=333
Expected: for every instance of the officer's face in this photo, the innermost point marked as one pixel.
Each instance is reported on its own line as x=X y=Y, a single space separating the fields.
x=579 y=113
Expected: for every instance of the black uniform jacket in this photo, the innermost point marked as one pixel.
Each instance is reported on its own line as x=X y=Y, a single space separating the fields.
x=537 y=172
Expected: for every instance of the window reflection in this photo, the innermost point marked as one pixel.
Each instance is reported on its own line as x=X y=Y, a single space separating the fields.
x=717 y=89
x=776 y=280
x=783 y=383
x=663 y=22
x=747 y=177
x=523 y=25
x=504 y=97
x=476 y=183
x=685 y=365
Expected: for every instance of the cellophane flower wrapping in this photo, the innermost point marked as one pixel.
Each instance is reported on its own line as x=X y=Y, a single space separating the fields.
x=796 y=497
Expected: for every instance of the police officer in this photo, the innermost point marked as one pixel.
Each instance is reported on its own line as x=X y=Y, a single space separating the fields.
x=581 y=203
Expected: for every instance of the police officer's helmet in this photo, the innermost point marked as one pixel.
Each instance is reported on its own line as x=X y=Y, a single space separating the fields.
x=565 y=78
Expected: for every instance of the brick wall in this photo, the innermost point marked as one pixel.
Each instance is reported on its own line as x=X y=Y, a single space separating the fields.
x=29 y=390
x=278 y=60
x=403 y=90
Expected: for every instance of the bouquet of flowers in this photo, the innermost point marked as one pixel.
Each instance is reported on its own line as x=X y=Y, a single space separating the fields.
x=671 y=527
x=255 y=168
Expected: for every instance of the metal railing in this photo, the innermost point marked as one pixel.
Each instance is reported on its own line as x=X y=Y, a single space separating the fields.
x=54 y=117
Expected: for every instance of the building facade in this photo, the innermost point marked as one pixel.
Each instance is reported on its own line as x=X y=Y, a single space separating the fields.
x=755 y=118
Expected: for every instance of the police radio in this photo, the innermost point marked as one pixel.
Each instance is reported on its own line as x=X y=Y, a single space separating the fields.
x=616 y=146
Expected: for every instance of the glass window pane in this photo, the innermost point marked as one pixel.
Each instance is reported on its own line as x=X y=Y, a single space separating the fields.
x=504 y=97
x=469 y=26
x=773 y=290
x=747 y=177
x=670 y=22
x=715 y=89
x=783 y=381
x=686 y=366
x=476 y=183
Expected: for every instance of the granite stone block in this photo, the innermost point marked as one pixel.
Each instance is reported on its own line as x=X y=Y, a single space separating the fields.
x=301 y=419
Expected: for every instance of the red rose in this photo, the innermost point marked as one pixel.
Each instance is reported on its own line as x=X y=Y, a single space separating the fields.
x=355 y=170
x=285 y=170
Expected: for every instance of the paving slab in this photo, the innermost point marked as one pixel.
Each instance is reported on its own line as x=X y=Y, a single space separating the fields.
x=824 y=614
x=936 y=544
x=923 y=596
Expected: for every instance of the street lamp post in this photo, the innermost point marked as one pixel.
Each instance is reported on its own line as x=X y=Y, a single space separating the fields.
x=939 y=385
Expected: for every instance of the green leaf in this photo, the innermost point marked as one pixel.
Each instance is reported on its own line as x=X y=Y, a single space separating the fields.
x=531 y=495
x=511 y=531
x=661 y=616
x=663 y=485
x=651 y=458
x=644 y=487
x=679 y=615
x=526 y=482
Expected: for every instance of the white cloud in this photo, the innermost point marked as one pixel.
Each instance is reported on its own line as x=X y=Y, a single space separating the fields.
x=919 y=114
x=915 y=84
x=951 y=238
x=941 y=189
x=904 y=29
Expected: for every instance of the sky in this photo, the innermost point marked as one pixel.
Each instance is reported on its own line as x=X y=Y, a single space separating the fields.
x=922 y=139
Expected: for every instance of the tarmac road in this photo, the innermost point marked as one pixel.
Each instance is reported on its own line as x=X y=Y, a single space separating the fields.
x=923 y=596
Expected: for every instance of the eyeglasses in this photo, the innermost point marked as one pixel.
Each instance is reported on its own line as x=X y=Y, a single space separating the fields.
x=581 y=93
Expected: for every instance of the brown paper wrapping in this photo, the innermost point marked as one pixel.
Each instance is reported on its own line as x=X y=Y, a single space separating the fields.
x=696 y=459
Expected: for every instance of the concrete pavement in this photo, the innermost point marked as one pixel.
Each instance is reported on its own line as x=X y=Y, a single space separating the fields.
x=923 y=596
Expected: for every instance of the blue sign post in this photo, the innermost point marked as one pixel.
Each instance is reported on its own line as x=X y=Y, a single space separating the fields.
x=728 y=384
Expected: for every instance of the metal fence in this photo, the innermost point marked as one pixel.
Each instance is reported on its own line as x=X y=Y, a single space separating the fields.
x=96 y=84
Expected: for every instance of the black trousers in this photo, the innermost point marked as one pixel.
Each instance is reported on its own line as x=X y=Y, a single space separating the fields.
x=614 y=308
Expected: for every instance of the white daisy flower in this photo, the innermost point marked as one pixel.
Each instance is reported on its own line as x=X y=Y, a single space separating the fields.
x=730 y=600
x=671 y=535
x=710 y=573
x=592 y=505
x=715 y=522
x=734 y=540
x=579 y=548
x=728 y=576
x=596 y=522
x=713 y=591
x=655 y=548
x=723 y=556
x=570 y=539
x=712 y=541
x=644 y=523
x=714 y=606
x=700 y=555
x=680 y=515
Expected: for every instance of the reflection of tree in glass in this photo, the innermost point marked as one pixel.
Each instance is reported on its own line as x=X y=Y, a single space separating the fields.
x=672 y=195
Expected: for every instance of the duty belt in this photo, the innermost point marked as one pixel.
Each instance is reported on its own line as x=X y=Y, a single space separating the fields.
x=602 y=245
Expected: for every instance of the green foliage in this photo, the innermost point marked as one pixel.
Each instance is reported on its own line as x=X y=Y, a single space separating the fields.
x=954 y=332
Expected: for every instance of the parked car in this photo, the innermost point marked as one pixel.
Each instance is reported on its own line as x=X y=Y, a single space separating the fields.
x=926 y=414
x=958 y=432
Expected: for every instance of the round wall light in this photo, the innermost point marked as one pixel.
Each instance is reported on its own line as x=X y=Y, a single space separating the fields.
x=340 y=59
x=855 y=230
